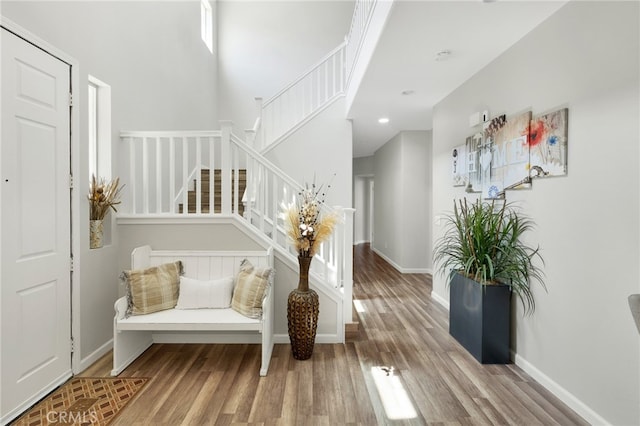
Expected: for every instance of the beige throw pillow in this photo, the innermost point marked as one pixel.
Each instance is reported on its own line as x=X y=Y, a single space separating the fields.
x=250 y=289
x=152 y=289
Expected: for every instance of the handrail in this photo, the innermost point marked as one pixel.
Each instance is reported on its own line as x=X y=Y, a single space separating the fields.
x=309 y=93
x=267 y=189
x=169 y=160
x=314 y=89
x=362 y=13
x=305 y=74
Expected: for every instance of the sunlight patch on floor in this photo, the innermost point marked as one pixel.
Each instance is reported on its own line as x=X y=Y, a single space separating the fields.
x=395 y=400
x=359 y=306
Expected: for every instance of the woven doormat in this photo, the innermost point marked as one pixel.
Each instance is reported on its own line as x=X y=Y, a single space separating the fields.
x=84 y=401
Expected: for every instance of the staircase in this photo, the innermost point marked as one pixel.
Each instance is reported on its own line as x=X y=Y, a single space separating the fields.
x=205 y=190
x=169 y=170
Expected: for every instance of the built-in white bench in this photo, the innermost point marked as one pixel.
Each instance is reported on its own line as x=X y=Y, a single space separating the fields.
x=135 y=334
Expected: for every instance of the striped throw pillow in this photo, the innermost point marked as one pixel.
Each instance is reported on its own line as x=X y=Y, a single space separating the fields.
x=153 y=289
x=250 y=289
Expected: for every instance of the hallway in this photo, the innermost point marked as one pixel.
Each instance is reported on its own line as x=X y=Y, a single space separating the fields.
x=402 y=367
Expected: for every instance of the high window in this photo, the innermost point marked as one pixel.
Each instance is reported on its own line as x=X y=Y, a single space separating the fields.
x=99 y=129
x=206 y=24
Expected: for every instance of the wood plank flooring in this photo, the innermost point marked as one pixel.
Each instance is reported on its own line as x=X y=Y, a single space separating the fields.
x=400 y=367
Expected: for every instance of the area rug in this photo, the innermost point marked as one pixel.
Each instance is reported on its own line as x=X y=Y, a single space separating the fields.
x=84 y=401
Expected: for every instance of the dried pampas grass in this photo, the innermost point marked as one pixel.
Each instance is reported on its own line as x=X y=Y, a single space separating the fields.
x=103 y=196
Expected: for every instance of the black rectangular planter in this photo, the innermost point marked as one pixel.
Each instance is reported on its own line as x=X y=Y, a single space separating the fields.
x=480 y=319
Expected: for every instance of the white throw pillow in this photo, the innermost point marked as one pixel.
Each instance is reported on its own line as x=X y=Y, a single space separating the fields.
x=197 y=294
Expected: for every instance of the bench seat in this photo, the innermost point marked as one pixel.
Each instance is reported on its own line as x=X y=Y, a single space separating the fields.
x=135 y=334
x=191 y=319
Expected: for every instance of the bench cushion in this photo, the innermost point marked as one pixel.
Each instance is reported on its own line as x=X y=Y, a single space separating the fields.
x=191 y=319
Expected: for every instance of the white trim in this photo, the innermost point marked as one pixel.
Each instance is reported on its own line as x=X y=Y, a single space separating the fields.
x=321 y=338
x=169 y=133
x=561 y=393
x=400 y=268
x=219 y=337
x=355 y=243
x=95 y=356
x=75 y=170
x=441 y=300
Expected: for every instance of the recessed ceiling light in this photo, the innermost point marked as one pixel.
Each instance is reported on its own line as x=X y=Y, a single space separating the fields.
x=442 y=55
x=408 y=92
x=383 y=120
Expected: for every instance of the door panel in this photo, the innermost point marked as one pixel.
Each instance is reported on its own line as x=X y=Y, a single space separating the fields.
x=35 y=224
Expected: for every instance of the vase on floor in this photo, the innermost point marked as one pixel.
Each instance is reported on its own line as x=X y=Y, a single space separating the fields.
x=96 y=232
x=302 y=314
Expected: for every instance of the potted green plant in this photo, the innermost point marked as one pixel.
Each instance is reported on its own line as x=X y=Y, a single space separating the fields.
x=486 y=260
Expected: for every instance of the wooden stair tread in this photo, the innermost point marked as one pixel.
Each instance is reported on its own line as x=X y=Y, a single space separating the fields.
x=205 y=191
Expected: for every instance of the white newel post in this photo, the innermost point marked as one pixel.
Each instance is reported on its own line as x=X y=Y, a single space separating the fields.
x=347 y=280
x=225 y=165
x=344 y=260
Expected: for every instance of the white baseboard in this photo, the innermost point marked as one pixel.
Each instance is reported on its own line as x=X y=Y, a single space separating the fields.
x=400 y=268
x=283 y=339
x=205 y=337
x=561 y=393
x=355 y=243
x=89 y=360
x=441 y=300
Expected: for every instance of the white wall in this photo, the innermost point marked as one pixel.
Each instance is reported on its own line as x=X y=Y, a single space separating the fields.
x=363 y=178
x=140 y=49
x=320 y=148
x=361 y=203
x=581 y=342
x=264 y=45
x=402 y=194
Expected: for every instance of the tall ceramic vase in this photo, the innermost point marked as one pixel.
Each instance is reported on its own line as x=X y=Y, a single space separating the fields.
x=302 y=314
x=96 y=232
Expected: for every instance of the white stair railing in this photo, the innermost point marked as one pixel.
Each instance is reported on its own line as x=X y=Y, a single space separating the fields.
x=362 y=13
x=268 y=190
x=303 y=98
x=162 y=165
x=315 y=89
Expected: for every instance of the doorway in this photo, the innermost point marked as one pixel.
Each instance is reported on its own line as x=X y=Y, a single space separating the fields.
x=35 y=224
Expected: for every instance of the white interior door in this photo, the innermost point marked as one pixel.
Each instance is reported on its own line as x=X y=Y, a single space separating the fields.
x=35 y=224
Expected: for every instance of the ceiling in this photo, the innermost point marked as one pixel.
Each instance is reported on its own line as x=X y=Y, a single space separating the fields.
x=474 y=32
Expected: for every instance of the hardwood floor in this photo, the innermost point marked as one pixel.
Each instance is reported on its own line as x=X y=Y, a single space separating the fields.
x=400 y=367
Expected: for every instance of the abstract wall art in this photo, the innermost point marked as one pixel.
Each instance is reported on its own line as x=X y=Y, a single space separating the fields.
x=548 y=143
x=459 y=165
x=511 y=152
x=473 y=149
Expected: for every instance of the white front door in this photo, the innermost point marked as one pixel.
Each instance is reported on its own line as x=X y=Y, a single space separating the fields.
x=35 y=224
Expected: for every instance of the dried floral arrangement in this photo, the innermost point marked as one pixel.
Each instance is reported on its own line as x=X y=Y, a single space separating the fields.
x=306 y=225
x=103 y=196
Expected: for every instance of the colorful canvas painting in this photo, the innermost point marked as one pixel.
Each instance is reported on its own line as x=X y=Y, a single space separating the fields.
x=492 y=184
x=548 y=143
x=472 y=166
x=459 y=165
x=510 y=154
